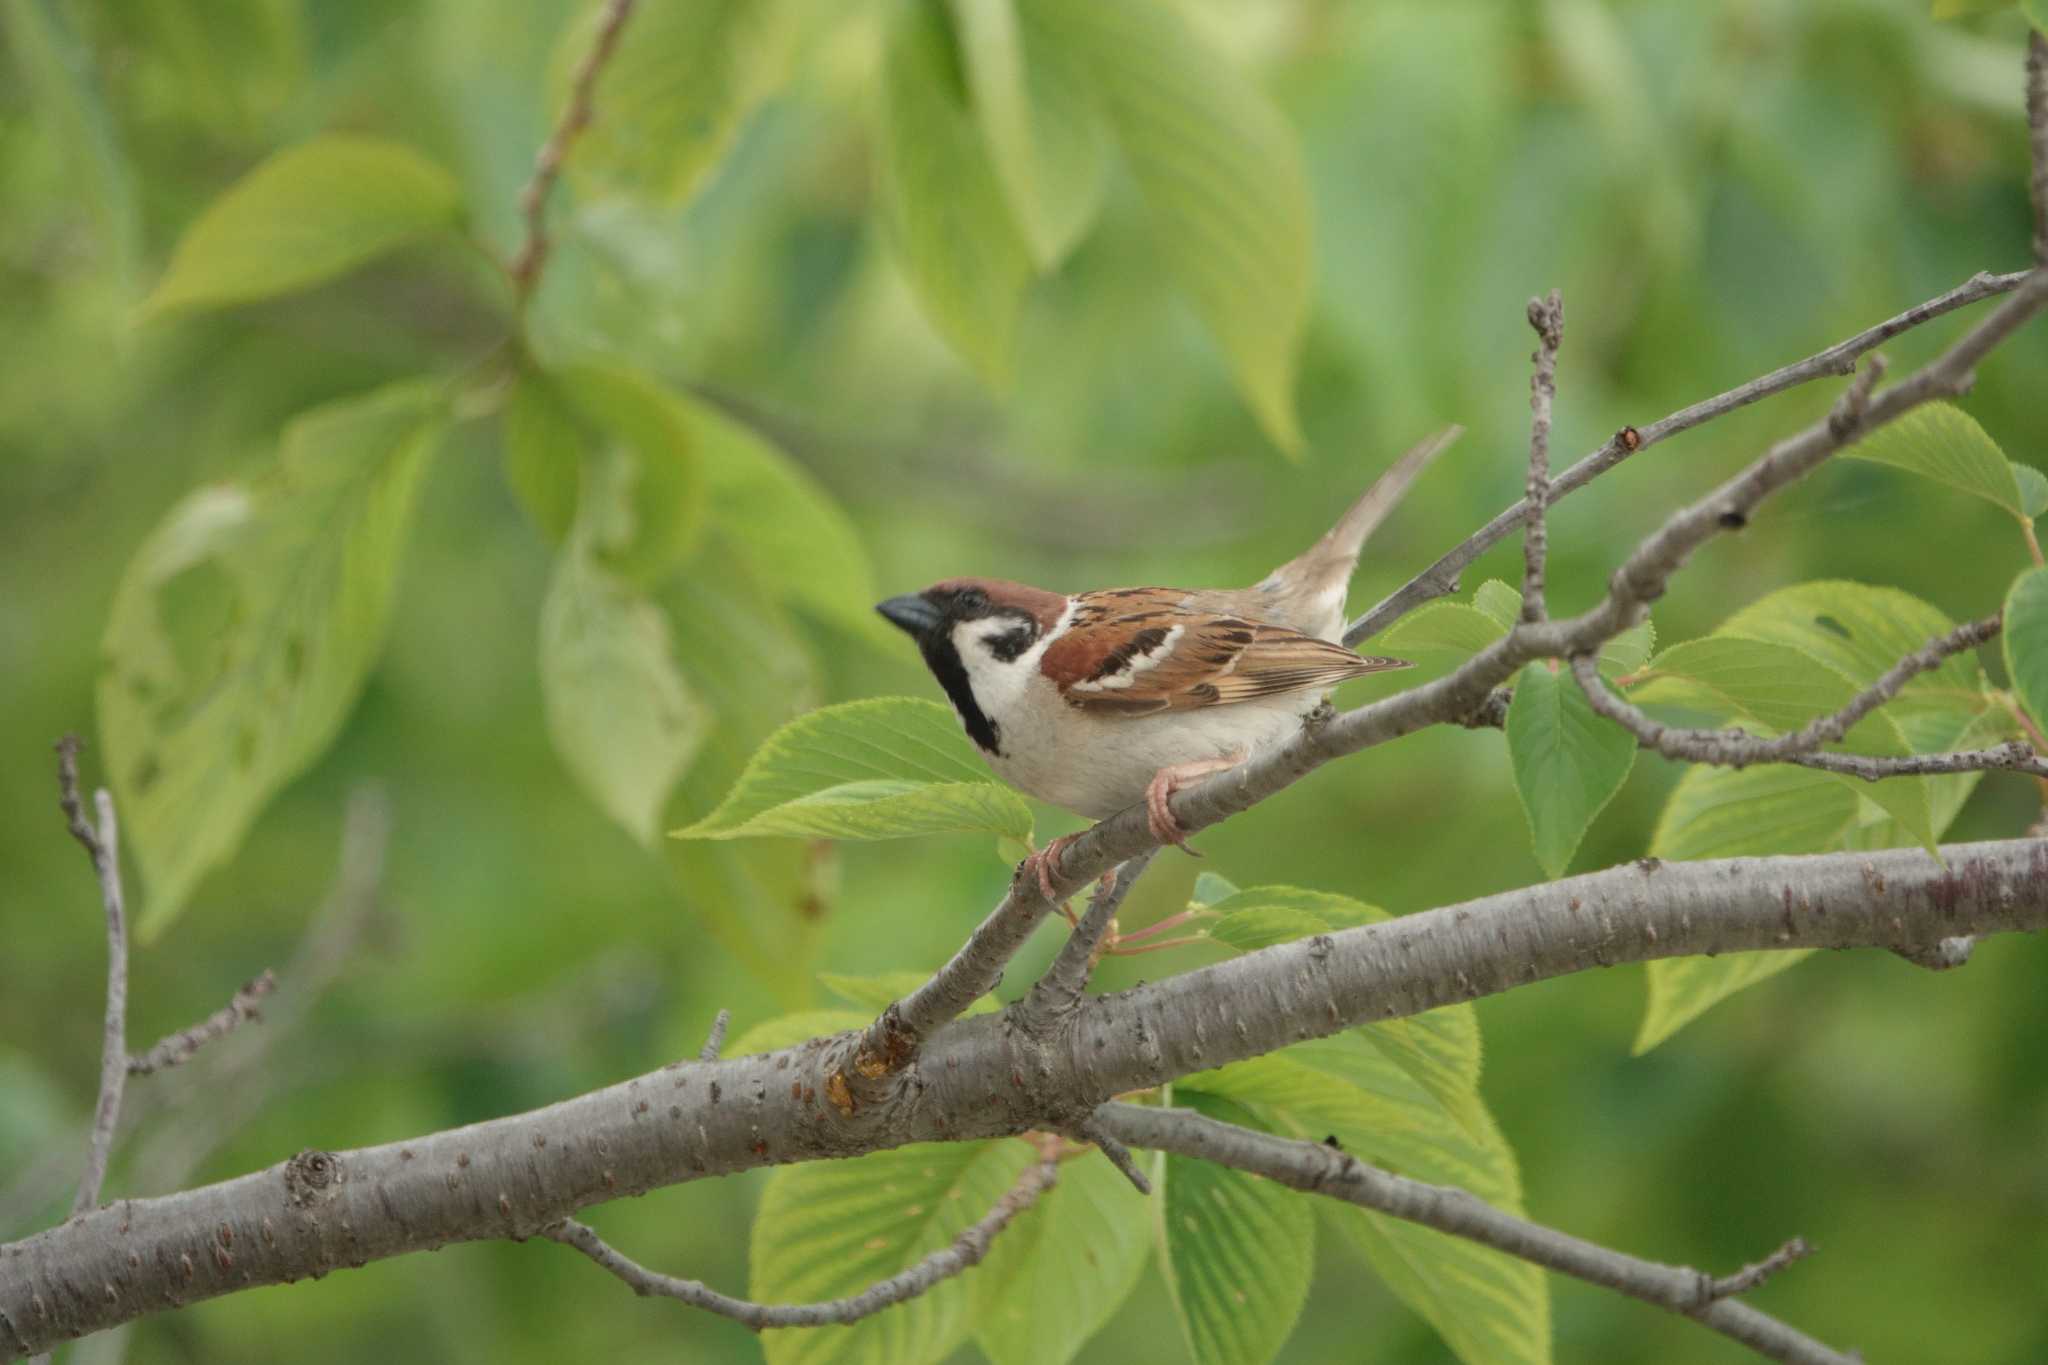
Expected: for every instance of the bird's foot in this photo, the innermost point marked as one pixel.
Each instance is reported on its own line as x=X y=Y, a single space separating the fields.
x=1043 y=865
x=1159 y=816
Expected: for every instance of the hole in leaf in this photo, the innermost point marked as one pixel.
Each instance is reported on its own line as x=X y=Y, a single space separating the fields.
x=1829 y=623
x=294 y=659
x=245 y=748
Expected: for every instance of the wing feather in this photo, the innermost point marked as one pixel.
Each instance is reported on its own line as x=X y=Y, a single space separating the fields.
x=1141 y=651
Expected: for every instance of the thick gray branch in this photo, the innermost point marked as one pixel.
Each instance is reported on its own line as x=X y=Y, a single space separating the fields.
x=965 y=1251
x=519 y=1175
x=1314 y=1168
x=1441 y=578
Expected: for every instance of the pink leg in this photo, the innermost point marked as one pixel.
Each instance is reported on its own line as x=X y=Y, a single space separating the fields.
x=1044 y=863
x=1159 y=815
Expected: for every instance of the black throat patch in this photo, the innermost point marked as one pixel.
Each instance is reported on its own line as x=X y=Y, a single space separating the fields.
x=944 y=662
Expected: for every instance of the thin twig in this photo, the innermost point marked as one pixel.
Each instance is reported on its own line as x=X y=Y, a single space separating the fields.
x=1315 y=1168
x=104 y=847
x=715 y=1042
x=1737 y=748
x=1546 y=315
x=1441 y=578
x=2037 y=138
x=525 y=267
x=1066 y=980
x=175 y=1049
x=965 y=1251
x=1092 y=1130
x=1750 y=1276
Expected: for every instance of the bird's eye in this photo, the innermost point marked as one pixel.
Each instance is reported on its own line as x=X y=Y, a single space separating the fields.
x=1007 y=645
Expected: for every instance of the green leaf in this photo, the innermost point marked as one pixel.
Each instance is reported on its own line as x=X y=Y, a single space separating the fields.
x=1630 y=650
x=622 y=718
x=543 y=454
x=305 y=215
x=1956 y=9
x=832 y=1228
x=1439 y=1049
x=876 y=993
x=789 y=532
x=1222 y=179
x=1942 y=442
x=676 y=89
x=2033 y=486
x=655 y=504
x=1729 y=813
x=1780 y=687
x=940 y=200
x=1046 y=138
x=773 y=1035
x=883 y=768
x=1238 y=1252
x=1568 y=761
x=57 y=70
x=1860 y=632
x=1062 y=1269
x=1443 y=627
x=2026 y=641
x=1501 y=603
x=1488 y=1306
x=243 y=628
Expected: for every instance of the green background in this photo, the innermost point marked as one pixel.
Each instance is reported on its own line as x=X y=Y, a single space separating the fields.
x=1717 y=189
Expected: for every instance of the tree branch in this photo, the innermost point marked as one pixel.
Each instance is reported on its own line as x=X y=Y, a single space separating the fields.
x=1546 y=315
x=965 y=1251
x=103 y=846
x=1441 y=578
x=175 y=1049
x=519 y=1175
x=1314 y=1168
x=2037 y=139
x=1734 y=748
x=525 y=267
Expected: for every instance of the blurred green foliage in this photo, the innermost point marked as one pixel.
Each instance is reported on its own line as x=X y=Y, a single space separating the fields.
x=1716 y=189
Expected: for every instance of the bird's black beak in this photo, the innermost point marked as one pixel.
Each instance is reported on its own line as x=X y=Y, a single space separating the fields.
x=911 y=612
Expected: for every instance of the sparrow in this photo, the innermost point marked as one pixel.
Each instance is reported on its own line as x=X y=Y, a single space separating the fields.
x=1094 y=701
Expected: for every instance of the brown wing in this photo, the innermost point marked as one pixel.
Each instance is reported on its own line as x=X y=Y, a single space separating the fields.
x=1136 y=651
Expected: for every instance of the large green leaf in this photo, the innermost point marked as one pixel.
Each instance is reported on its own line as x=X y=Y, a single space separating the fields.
x=941 y=202
x=679 y=84
x=876 y=769
x=622 y=718
x=1046 y=138
x=1222 y=180
x=58 y=73
x=1778 y=688
x=656 y=507
x=243 y=628
x=1062 y=1269
x=1489 y=1307
x=1942 y=442
x=2026 y=641
x=1439 y=1049
x=827 y=1229
x=543 y=455
x=1238 y=1251
x=794 y=538
x=306 y=215
x=1568 y=761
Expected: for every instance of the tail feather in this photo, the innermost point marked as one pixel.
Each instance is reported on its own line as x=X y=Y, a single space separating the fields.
x=1307 y=592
